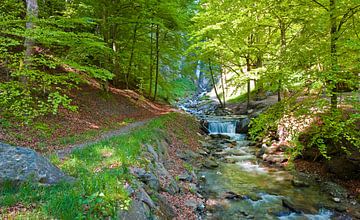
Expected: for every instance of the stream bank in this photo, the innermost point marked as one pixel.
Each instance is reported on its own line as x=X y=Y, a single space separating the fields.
x=164 y=186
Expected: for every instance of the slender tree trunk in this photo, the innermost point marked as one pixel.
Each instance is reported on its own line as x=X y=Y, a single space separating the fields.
x=258 y=83
x=282 y=52
x=333 y=52
x=248 y=69
x=127 y=76
x=157 y=60
x=32 y=12
x=151 y=59
x=214 y=84
x=223 y=87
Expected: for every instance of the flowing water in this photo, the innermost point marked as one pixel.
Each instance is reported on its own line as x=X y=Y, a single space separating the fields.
x=243 y=187
x=223 y=127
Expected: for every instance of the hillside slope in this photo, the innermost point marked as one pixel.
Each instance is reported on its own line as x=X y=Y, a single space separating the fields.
x=97 y=113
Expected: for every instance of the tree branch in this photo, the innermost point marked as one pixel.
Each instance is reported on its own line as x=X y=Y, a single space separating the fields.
x=351 y=12
x=318 y=3
x=354 y=25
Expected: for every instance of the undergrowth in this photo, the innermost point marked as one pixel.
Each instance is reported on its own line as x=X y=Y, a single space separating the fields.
x=101 y=171
x=331 y=132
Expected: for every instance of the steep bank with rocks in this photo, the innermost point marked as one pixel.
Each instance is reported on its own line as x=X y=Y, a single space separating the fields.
x=165 y=187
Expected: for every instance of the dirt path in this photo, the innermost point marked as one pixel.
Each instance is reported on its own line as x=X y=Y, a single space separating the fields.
x=121 y=131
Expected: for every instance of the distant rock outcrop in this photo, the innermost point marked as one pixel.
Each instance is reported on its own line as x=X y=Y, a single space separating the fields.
x=18 y=164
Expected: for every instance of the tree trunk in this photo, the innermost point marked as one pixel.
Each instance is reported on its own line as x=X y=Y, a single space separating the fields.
x=282 y=52
x=248 y=69
x=214 y=84
x=151 y=59
x=333 y=51
x=157 y=60
x=32 y=12
x=127 y=76
x=223 y=87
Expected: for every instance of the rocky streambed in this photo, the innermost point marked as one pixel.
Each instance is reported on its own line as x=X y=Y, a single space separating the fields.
x=238 y=185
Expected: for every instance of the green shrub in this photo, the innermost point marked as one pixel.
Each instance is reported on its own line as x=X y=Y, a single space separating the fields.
x=335 y=131
x=267 y=121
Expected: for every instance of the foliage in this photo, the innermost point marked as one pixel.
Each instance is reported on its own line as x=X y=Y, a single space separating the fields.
x=267 y=121
x=44 y=56
x=177 y=89
x=334 y=132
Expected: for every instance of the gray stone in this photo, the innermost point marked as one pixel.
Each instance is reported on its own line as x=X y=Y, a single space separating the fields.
x=192 y=204
x=243 y=125
x=188 y=155
x=147 y=177
x=167 y=211
x=145 y=198
x=219 y=136
x=298 y=208
x=236 y=152
x=232 y=196
x=18 y=164
x=172 y=187
x=299 y=183
x=162 y=147
x=261 y=152
x=337 y=200
x=210 y=164
x=230 y=160
x=202 y=152
x=137 y=210
x=153 y=152
x=334 y=190
x=186 y=177
x=278 y=159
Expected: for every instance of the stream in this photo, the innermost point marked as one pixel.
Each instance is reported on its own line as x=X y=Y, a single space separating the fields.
x=241 y=186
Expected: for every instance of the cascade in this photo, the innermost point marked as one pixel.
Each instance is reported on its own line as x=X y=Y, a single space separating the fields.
x=222 y=127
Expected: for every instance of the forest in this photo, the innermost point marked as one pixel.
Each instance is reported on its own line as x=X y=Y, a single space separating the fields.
x=179 y=109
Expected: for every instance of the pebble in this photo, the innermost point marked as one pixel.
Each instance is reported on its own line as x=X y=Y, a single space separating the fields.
x=337 y=200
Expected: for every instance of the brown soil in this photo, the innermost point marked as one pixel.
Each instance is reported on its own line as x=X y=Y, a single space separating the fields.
x=98 y=112
x=176 y=166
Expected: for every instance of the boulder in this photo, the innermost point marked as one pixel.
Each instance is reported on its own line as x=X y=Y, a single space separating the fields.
x=187 y=155
x=172 y=188
x=232 y=196
x=138 y=210
x=298 y=208
x=210 y=164
x=166 y=210
x=243 y=125
x=220 y=136
x=18 y=164
x=146 y=177
x=152 y=151
x=336 y=166
x=299 y=183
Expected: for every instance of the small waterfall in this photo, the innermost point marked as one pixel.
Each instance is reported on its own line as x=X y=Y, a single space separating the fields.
x=222 y=127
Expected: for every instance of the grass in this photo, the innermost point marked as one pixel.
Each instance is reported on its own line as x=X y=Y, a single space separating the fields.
x=78 y=138
x=241 y=98
x=101 y=171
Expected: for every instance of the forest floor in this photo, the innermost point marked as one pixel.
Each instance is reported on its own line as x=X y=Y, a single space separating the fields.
x=99 y=114
x=105 y=135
